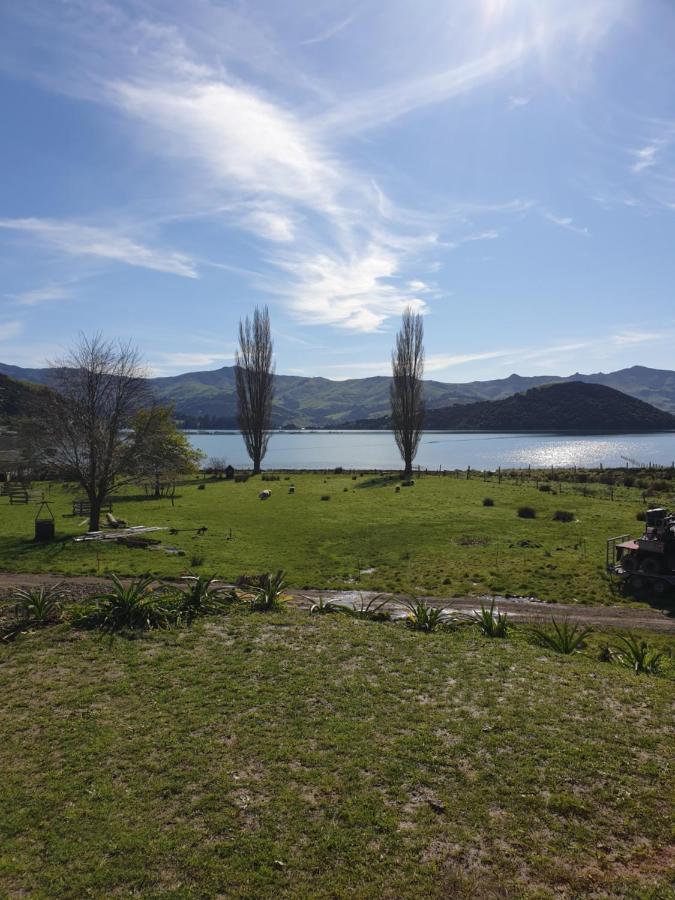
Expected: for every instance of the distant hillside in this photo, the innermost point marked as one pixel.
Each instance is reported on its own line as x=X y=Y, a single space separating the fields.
x=565 y=405
x=16 y=398
x=208 y=399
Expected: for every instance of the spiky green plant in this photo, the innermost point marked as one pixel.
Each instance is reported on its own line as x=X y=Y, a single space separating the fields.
x=367 y=608
x=270 y=595
x=38 y=605
x=636 y=654
x=562 y=637
x=34 y=608
x=138 y=606
x=322 y=607
x=489 y=623
x=423 y=617
x=201 y=597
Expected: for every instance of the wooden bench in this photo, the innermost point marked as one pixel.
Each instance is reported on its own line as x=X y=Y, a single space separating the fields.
x=83 y=507
x=20 y=494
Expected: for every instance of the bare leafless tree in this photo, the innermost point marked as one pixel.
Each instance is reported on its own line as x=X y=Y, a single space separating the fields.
x=407 y=396
x=254 y=372
x=81 y=429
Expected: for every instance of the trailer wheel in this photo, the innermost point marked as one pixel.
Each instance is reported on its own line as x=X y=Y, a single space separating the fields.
x=651 y=565
x=637 y=582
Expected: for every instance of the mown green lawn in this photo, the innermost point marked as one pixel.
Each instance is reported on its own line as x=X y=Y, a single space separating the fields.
x=435 y=537
x=286 y=755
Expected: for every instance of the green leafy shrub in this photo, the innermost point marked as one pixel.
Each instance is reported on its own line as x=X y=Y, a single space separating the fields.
x=34 y=608
x=322 y=607
x=636 y=654
x=490 y=623
x=367 y=608
x=423 y=617
x=488 y=501
x=545 y=488
x=138 y=606
x=270 y=595
x=527 y=512
x=201 y=597
x=563 y=515
x=562 y=637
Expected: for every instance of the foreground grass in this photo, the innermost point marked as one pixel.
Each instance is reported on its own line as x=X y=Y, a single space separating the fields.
x=435 y=537
x=260 y=755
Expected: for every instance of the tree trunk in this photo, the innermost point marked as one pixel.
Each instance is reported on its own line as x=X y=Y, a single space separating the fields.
x=158 y=492
x=94 y=514
x=256 y=463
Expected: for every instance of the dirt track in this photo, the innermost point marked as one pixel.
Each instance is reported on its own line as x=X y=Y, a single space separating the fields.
x=519 y=609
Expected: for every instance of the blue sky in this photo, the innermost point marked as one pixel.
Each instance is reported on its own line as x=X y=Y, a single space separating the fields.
x=507 y=167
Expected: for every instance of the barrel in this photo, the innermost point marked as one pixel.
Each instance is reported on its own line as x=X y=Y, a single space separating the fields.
x=44 y=530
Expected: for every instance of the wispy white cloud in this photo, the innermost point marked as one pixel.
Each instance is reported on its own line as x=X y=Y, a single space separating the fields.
x=86 y=240
x=240 y=137
x=271 y=226
x=359 y=292
x=515 y=101
x=10 y=329
x=327 y=33
x=647 y=156
x=566 y=222
x=36 y=296
x=170 y=362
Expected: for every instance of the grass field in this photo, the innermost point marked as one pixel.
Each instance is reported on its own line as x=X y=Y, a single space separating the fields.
x=258 y=755
x=435 y=537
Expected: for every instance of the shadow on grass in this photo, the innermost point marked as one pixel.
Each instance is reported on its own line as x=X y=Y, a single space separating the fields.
x=379 y=481
x=664 y=602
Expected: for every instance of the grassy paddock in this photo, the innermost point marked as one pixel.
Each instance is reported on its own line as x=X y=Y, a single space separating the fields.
x=436 y=536
x=282 y=754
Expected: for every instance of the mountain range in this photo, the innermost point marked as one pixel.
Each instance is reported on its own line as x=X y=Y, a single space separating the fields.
x=208 y=399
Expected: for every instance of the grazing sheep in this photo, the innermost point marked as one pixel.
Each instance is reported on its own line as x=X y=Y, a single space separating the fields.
x=265 y=495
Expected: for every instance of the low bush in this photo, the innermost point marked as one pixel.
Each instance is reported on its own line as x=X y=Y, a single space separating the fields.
x=636 y=654
x=322 y=607
x=490 y=623
x=527 y=512
x=34 y=608
x=562 y=637
x=563 y=515
x=372 y=608
x=546 y=488
x=325 y=496
x=423 y=617
x=138 y=606
x=270 y=595
x=201 y=597
x=488 y=501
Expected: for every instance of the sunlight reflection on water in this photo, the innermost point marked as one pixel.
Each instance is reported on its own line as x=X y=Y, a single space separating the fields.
x=449 y=450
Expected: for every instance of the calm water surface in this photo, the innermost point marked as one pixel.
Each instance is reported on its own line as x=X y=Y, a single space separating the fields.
x=451 y=450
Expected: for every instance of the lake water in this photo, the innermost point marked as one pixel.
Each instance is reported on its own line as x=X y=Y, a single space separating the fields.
x=450 y=450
